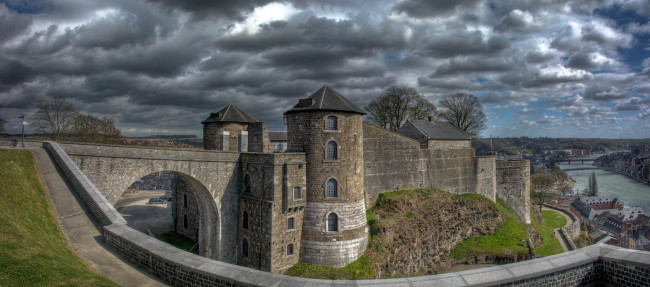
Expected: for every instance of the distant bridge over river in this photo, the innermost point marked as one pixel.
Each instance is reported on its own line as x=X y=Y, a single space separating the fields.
x=588 y=168
x=576 y=161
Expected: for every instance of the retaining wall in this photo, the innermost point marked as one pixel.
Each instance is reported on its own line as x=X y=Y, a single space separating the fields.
x=101 y=209
x=395 y=162
x=570 y=231
x=592 y=265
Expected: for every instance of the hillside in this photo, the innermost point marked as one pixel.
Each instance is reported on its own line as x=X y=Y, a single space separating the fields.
x=414 y=232
x=32 y=249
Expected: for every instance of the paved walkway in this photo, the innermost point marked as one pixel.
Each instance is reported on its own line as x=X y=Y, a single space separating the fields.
x=83 y=236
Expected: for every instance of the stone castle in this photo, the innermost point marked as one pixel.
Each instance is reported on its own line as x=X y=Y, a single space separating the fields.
x=308 y=204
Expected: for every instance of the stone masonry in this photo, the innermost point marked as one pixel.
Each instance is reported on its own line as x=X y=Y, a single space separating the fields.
x=271 y=210
x=594 y=265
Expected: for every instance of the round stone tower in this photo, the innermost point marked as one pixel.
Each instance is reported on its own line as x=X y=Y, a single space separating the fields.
x=329 y=129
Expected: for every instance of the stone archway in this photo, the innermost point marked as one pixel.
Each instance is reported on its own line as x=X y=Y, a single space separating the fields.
x=195 y=214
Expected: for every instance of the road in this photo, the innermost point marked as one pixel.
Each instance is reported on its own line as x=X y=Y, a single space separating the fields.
x=144 y=217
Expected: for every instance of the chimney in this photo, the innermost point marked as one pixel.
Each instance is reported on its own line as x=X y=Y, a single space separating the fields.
x=430 y=118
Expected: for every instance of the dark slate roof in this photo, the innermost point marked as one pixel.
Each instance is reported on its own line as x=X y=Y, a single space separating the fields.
x=438 y=130
x=278 y=136
x=325 y=99
x=230 y=113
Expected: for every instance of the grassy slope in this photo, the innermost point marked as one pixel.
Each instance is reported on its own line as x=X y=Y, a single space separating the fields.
x=506 y=237
x=32 y=248
x=180 y=242
x=552 y=220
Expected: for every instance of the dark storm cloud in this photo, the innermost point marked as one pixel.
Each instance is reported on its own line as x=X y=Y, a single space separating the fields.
x=235 y=10
x=275 y=34
x=171 y=61
x=465 y=43
x=474 y=64
x=426 y=8
x=633 y=104
x=361 y=33
x=515 y=20
x=536 y=57
x=12 y=24
x=583 y=61
x=598 y=92
x=13 y=72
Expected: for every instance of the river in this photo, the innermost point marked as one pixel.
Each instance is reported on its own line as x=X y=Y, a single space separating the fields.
x=631 y=192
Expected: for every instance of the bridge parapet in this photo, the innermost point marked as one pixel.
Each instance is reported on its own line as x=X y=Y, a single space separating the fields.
x=101 y=209
x=590 y=265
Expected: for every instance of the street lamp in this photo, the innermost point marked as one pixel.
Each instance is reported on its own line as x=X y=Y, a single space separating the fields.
x=24 y=122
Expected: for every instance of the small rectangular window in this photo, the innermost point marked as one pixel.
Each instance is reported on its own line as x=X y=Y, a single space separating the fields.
x=297 y=194
x=291 y=223
x=290 y=249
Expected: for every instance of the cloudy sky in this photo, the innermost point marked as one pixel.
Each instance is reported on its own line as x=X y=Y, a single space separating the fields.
x=556 y=68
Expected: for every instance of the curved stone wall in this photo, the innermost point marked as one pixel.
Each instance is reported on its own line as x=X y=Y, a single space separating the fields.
x=596 y=264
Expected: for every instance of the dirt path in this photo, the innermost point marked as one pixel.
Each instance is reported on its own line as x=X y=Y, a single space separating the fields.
x=83 y=236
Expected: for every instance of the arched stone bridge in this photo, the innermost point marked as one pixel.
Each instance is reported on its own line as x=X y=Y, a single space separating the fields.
x=214 y=177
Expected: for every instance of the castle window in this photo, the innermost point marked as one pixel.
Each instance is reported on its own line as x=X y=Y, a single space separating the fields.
x=247 y=183
x=332 y=222
x=291 y=223
x=297 y=194
x=244 y=247
x=185 y=200
x=185 y=221
x=290 y=249
x=332 y=123
x=245 y=223
x=331 y=150
x=332 y=188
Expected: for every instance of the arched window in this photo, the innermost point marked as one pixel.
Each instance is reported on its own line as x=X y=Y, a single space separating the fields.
x=332 y=222
x=244 y=247
x=245 y=223
x=331 y=150
x=185 y=221
x=332 y=123
x=247 y=183
x=185 y=200
x=332 y=188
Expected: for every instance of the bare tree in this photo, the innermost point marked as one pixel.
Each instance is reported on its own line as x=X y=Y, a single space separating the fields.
x=3 y=122
x=465 y=112
x=542 y=184
x=421 y=108
x=55 y=118
x=392 y=109
x=88 y=128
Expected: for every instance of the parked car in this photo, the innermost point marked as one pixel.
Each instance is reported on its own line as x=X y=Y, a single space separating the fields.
x=166 y=197
x=156 y=200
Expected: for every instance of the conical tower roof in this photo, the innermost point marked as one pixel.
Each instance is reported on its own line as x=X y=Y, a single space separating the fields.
x=230 y=113
x=325 y=99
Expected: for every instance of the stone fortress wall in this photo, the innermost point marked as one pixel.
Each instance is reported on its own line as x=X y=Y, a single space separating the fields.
x=513 y=186
x=396 y=162
x=596 y=264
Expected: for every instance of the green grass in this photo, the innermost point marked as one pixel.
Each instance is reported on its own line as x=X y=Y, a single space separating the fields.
x=180 y=242
x=552 y=220
x=32 y=249
x=508 y=236
x=357 y=270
